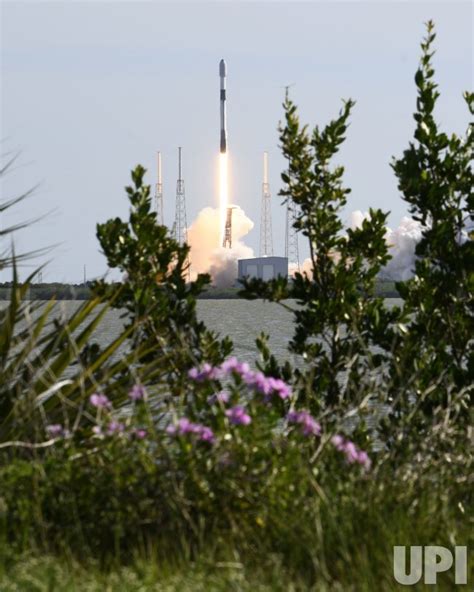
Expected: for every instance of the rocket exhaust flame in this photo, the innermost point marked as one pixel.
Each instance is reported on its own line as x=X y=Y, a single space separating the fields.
x=223 y=193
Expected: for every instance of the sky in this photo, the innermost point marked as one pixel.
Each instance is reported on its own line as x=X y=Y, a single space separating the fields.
x=90 y=89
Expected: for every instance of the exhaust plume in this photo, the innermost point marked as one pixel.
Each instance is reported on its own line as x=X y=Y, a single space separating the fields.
x=203 y=236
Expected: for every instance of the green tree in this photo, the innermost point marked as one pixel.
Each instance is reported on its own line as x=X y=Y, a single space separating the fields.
x=436 y=179
x=155 y=289
x=338 y=318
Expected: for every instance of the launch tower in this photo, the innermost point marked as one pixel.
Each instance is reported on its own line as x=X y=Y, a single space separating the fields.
x=266 y=239
x=291 y=235
x=227 y=242
x=180 y=226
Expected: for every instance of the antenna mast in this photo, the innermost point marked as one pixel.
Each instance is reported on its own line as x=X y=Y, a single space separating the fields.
x=266 y=239
x=159 y=194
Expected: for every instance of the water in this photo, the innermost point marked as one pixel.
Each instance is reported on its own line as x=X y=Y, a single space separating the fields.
x=242 y=320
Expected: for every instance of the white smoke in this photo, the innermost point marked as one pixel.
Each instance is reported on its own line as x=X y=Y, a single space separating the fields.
x=304 y=268
x=204 y=236
x=402 y=243
x=356 y=218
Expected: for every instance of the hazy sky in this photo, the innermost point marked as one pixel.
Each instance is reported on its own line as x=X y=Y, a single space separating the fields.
x=89 y=89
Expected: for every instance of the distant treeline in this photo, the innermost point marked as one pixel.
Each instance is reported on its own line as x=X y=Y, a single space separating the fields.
x=59 y=291
x=48 y=291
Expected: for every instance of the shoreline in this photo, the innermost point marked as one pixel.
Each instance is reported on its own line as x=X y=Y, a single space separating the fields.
x=47 y=291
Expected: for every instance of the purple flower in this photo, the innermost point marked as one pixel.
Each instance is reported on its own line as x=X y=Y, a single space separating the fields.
x=352 y=453
x=230 y=365
x=262 y=384
x=280 y=387
x=140 y=434
x=309 y=426
x=364 y=460
x=207 y=372
x=205 y=434
x=243 y=369
x=115 y=427
x=221 y=397
x=267 y=385
x=137 y=393
x=238 y=416
x=100 y=401
x=184 y=427
x=55 y=430
x=97 y=430
x=338 y=442
x=248 y=376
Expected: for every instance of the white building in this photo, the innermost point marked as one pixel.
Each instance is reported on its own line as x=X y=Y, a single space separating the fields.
x=264 y=268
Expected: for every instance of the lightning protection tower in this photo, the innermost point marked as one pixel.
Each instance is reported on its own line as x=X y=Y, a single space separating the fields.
x=180 y=224
x=159 y=194
x=227 y=242
x=291 y=235
x=266 y=239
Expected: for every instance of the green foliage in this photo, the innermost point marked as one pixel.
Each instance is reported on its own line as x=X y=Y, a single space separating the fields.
x=339 y=317
x=49 y=363
x=342 y=543
x=436 y=179
x=155 y=290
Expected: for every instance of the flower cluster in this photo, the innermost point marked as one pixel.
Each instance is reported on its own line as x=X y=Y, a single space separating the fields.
x=115 y=427
x=221 y=397
x=100 y=401
x=309 y=426
x=137 y=393
x=207 y=372
x=266 y=385
x=185 y=427
x=56 y=430
x=238 y=416
x=351 y=452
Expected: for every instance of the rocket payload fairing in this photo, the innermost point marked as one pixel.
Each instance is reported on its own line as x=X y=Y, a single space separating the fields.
x=222 y=76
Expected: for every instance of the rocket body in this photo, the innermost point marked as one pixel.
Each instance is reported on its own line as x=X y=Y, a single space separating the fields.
x=223 y=100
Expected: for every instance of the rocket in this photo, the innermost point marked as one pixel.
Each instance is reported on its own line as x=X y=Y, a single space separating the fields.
x=222 y=76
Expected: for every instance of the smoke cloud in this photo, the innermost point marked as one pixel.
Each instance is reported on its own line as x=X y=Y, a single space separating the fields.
x=204 y=236
x=402 y=243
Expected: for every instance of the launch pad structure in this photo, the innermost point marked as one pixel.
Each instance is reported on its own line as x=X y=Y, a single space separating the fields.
x=291 y=234
x=266 y=238
x=180 y=227
x=227 y=242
